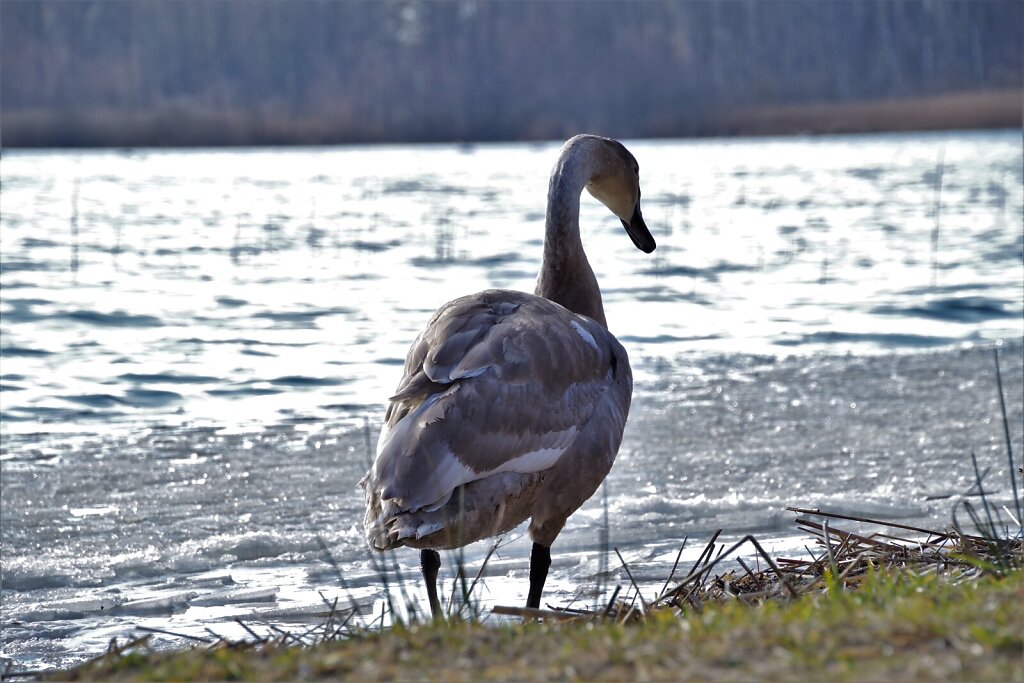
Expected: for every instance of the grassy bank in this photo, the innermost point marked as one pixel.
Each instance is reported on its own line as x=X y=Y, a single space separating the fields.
x=892 y=627
x=877 y=600
x=870 y=604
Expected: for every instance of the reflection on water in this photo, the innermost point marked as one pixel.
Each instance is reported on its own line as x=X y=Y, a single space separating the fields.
x=196 y=347
x=249 y=268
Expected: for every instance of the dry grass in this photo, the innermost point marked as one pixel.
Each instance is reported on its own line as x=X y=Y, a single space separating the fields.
x=894 y=602
x=843 y=561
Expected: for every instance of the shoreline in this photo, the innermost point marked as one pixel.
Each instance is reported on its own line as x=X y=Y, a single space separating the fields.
x=950 y=609
x=183 y=125
x=832 y=448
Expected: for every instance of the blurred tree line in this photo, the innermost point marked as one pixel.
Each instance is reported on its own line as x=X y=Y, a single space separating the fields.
x=126 y=72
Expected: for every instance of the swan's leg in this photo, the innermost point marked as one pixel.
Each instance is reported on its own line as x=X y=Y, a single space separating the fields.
x=540 y=560
x=430 y=562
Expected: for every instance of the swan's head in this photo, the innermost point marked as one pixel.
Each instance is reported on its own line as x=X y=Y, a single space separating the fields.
x=616 y=184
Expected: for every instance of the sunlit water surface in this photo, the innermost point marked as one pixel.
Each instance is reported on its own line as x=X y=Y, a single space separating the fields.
x=197 y=347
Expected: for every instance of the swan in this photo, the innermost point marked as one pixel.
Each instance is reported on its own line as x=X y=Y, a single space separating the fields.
x=511 y=406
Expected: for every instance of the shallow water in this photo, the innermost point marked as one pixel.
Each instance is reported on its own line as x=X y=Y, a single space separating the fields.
x=196 y=347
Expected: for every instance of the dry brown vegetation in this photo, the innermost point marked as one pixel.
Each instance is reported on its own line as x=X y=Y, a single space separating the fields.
x=188 y=72
x=872 y=605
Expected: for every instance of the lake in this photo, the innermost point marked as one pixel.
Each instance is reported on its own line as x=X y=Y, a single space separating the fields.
x=197 y=347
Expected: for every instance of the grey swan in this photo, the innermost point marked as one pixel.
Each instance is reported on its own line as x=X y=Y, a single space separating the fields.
x=512 y=405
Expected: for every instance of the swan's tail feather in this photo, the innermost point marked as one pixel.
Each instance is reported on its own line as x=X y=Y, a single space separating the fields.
x=483 y=508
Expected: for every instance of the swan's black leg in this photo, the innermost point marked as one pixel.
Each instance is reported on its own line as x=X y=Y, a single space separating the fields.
x=540 y=560
x=430 y=562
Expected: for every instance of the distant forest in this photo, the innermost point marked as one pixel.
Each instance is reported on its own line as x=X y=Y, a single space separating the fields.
x=200 y=72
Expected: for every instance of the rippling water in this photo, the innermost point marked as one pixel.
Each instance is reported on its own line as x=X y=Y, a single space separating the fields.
x=196 y=347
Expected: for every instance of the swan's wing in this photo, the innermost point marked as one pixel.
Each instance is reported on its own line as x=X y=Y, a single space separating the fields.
x=498 y=382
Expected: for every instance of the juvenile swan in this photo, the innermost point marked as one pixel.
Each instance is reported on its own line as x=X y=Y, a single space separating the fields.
x=512 y=405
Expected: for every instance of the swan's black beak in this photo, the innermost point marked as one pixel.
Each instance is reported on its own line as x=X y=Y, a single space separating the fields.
x=638 y=232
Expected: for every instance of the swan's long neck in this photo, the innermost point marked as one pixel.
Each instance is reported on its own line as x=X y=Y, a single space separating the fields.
x=565 y=274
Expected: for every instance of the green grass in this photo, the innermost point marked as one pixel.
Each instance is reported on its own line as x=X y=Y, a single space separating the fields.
x=894 y=626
